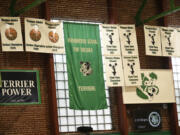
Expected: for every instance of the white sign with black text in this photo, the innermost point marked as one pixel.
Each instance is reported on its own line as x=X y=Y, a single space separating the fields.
x=110 y=39
x=132 y=73
x=54 y=37
x=177 y=46
x=152 y=40
x=35 y=35
x=114 y=71
x=128 y=39
x=11 y=35
x=168 y=41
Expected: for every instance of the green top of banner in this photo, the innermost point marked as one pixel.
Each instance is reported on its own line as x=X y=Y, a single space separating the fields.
x=84 y=65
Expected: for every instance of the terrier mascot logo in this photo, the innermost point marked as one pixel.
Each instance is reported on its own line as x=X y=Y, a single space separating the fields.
x=148 y=89
x=85 y=68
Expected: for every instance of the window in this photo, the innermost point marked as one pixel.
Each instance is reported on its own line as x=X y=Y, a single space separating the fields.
x=69 y=119
x=176 y=74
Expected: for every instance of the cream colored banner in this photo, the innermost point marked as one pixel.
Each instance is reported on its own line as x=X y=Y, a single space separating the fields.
x=131 y=70
x=35 y=35
x=168 y=41
x=54 y=37
x=128 y=39
x=152 y=40
x=177 y=43
x=11 y=35
x=156 y=87
x=114 y=71
x=110 y=39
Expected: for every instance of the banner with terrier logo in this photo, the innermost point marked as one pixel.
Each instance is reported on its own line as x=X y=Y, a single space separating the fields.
x=132 y=75
x=110 y=39
x=11 y=36
x=114 y=71
x=168 y=41
x=54 y=37
x=35 y=35
x=156 y=87
x=84 y=65
x=152 y=40
x=128 y=39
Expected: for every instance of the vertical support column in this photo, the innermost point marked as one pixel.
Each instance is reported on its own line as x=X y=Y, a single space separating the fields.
x=51 y=83
x=172 y=109
x=123 y=122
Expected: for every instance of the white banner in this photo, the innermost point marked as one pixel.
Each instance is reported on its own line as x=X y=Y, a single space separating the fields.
x=168 y=41
x=35 y=35
x=177 y=43
x=156 y=87
x=114 y=71
x=131 y=70
x=54 y=37
x=128 y=39
x=110 y=39
x=11 y=36
x=152 y=40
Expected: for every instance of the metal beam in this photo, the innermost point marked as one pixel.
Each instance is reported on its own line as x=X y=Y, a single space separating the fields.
x=13 y=12
x=172 y=9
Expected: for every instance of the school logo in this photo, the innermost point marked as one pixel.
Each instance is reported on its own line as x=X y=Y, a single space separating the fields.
x=154 y=119
x=85 y=68
x=148 y=89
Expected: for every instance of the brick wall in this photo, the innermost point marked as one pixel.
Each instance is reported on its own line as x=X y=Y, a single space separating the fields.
x=34 y=119
x=25 y=119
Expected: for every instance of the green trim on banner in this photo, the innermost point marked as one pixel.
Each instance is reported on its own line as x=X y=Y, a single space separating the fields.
x=152 y=133
x=84 y=66
x=38 y=86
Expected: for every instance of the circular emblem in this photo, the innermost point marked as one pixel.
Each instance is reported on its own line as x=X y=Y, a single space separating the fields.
x=154 y=119
x=35 y=34
x=53 y=36
x=85 y=68
x=10 y=33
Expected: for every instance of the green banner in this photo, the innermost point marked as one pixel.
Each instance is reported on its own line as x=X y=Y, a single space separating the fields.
x=84 y=66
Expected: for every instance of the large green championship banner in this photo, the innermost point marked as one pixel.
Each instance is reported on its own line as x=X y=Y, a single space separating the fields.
x=84 y=66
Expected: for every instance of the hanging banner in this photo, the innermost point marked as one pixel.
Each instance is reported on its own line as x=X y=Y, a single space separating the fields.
x=19 y=87
x=84 y=65
x=128 y=39
x=168 y=41
x=114 y=71
x=156 y=87
x=177 y=41
x=11 y=36
x=152 y=40
x=131 y=70
x=54 y=37
x=110 y=39
x=35 y=35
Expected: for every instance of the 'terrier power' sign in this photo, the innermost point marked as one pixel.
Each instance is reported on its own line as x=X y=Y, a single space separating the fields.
x=19 y=87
